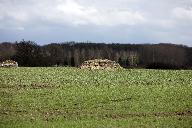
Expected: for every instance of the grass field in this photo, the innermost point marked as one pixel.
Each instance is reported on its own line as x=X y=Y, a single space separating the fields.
x=70 y=97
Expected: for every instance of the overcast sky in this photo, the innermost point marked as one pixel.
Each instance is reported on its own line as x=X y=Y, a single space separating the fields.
x=118 y=21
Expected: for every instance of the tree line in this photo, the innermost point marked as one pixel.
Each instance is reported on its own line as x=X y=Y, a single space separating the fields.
x=164 y=56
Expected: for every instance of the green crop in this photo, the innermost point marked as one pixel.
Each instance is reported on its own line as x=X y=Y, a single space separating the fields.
x=70 y=97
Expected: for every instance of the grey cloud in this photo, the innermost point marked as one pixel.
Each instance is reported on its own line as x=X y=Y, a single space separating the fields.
x=134 y=21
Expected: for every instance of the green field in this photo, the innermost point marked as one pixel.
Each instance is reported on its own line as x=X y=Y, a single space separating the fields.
x=70 y=97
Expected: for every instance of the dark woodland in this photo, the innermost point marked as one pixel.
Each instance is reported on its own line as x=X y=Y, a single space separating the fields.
x=157 y=56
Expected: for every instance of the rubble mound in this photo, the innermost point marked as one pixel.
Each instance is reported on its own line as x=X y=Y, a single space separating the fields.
x=9 y=63
x=100 y=64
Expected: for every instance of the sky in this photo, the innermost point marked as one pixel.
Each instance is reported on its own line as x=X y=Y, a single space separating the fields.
x=110 y=21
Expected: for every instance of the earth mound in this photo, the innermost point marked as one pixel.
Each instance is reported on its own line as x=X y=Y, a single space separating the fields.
x=100 y=64
x=9 y=63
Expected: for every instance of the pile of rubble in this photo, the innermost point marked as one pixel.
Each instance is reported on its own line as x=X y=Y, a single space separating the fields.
x=100 y=64
x=9 y=63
